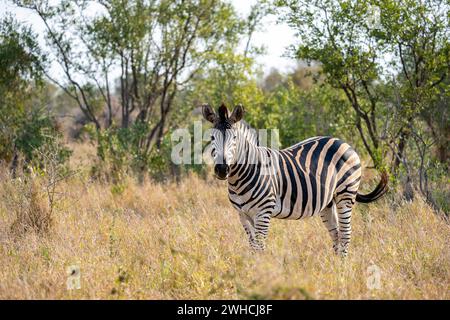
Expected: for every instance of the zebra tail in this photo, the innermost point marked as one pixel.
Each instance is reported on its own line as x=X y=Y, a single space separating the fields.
x=377 y=193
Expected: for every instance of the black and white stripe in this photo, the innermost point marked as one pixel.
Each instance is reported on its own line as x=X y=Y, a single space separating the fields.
x=318 y=176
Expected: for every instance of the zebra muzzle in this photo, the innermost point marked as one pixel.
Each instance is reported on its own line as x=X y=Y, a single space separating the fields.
x=221 y=171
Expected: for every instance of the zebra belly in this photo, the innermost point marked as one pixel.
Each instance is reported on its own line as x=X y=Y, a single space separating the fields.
x=284 y=212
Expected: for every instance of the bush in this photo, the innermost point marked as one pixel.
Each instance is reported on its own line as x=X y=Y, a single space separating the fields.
x=121 y=153
x=31 y=191
x=26 y=199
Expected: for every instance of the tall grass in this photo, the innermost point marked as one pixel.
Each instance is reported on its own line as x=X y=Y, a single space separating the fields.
x=184 y=241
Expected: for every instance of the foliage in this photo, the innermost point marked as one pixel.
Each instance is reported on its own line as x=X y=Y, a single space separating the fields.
x=32 y=193
x=19 y=70
x=24 y=126
x=159 y=47
x=310 y=113
x=354 y=54
x=120 y=155
x=391 y=60
x=372 y=72
x=20 y=59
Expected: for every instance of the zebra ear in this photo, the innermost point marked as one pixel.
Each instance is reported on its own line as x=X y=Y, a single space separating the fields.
x=208 y=113
x=237 y=114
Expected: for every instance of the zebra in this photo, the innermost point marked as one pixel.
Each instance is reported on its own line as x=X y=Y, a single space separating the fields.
x=317 y=176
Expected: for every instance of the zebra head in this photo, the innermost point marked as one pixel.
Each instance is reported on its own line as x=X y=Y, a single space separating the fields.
x=223 y=137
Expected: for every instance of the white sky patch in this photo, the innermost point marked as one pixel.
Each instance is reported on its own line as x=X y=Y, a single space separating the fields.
x=274 y=37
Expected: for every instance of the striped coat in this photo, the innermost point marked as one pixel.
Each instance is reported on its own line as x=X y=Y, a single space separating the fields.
x=318 y=176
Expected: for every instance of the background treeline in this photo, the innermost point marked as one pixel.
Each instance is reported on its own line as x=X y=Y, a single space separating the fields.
x=374 y=73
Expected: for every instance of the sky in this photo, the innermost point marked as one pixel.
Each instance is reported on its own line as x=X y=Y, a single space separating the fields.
x=274 y=37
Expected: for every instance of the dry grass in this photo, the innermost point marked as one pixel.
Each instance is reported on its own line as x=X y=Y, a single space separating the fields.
x=185 y=242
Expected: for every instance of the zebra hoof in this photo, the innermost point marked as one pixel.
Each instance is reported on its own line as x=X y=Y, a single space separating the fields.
x=336 y=249
x=257 y=249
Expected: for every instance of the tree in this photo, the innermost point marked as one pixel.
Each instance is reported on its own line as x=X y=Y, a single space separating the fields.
x=390 y=58
x=154 y=47
x=20 y=78
x=355 y=54
x=416 y=35
x=332 y=34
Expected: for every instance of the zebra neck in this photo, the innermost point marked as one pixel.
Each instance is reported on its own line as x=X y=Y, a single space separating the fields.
x=248 y=158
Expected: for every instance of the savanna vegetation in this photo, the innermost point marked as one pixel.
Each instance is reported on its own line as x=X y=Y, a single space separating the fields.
x=86 y=118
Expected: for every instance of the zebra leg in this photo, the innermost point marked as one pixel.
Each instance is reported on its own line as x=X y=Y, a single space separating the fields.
x=249 y=227
x=261 y=223
x=344 y=206
x=329 y=218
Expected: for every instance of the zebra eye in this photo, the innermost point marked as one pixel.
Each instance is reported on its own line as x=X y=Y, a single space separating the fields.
x=212 y=138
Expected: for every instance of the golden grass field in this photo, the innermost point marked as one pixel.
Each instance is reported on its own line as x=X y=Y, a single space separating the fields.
x=185 y=241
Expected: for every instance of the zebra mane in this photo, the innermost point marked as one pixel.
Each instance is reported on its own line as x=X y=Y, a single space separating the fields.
x=248 y=132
